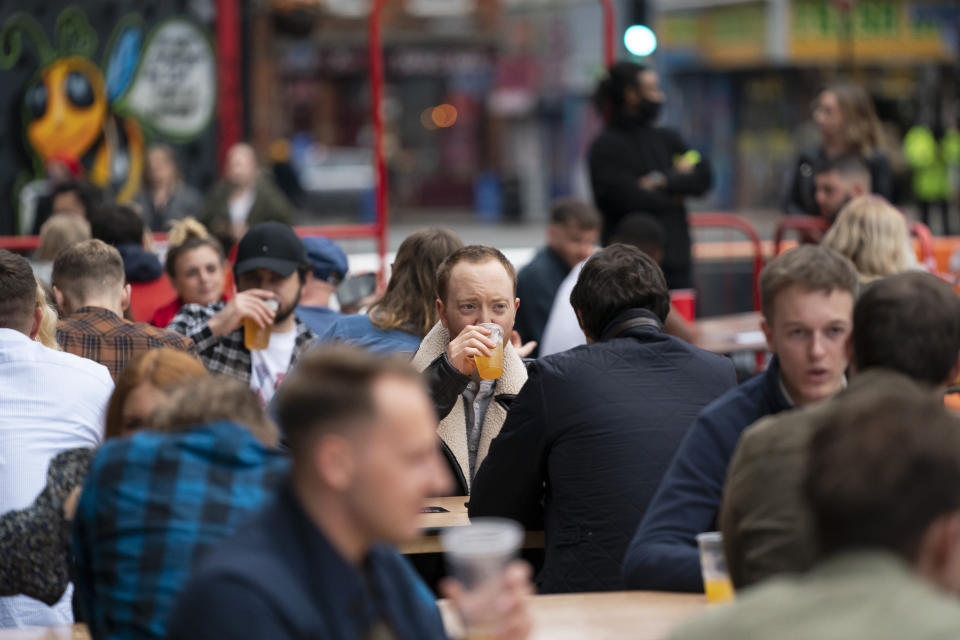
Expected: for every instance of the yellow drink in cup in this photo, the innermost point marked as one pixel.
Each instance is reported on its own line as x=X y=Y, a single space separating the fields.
x=719 y=590
x=491 y=367
x=254 y=336
x=713 y=566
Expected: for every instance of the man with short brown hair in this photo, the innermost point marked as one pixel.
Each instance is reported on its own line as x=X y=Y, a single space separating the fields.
x=475 y=285
x=572 y=235
x=807 y=296
x=89 y=285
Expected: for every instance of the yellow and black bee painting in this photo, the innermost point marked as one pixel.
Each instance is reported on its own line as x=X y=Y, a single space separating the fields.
x=150 y=85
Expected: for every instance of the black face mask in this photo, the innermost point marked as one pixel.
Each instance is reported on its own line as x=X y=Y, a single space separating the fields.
x=648 y=112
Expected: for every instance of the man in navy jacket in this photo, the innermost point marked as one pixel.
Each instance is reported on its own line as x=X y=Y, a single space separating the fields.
x=318 y=563
x=807 y=296
x=594 y=428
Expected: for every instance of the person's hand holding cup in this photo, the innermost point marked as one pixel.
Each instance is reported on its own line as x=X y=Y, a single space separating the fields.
x=488 y=587
x=473 y=341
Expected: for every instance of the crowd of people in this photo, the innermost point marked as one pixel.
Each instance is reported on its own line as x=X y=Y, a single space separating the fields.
x=244 y=461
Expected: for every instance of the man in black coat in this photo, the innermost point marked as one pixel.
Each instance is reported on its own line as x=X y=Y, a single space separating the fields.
x=591 y=433
x=636 y=167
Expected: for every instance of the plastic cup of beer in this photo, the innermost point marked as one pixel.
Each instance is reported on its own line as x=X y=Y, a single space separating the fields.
x=477 y=556
x=254 y=336
x=713 y=567
x=491 y=367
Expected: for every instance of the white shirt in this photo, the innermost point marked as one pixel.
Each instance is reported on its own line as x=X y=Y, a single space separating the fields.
x=563 y=331
x=269 y=366
x=240 y=207
x=50 y=401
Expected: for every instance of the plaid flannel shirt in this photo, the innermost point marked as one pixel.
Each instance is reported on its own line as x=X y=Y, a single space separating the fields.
x=151 y=505
x=227 y=354
x=102 y=336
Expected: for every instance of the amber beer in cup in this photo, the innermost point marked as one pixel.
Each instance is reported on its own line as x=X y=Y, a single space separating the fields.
x=713 y=566
x=256 y=337
x=491 y=367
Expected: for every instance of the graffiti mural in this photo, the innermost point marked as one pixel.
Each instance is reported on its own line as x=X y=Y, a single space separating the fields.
x=154 y=82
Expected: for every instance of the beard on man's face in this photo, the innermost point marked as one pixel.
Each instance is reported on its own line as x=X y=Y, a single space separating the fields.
x=284 y=312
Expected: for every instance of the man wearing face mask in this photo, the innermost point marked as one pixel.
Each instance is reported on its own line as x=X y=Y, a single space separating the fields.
x=636 y=166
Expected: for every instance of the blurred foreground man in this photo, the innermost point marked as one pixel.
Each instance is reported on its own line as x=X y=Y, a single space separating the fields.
x=592 y=431
x=475 y=285
x=318 y=563
x=882 y=486
x=906 y=326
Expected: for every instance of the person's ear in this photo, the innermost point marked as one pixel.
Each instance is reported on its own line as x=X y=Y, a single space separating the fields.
x=768 y=335
x=516 y=305
x=440 y=312
x=59 y=298
x=125 y=297
x=334 y=461
x=938 y=556
x=35 y=325
x=580 y=322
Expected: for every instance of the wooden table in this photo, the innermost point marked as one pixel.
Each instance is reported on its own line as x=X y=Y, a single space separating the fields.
x=75 y=632
x=617 y=615
x=730 y=334
x=431 y=524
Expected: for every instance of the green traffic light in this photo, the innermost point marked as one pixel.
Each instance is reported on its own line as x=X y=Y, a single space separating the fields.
x=640 y=40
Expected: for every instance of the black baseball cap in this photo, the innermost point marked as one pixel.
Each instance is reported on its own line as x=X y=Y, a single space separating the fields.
x=270 y=245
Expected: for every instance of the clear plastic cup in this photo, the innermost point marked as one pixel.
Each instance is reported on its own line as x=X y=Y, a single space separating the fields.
x=479 y=552
x=477 y=556
x=254 y=336
x=491 y=367
x=713 y=567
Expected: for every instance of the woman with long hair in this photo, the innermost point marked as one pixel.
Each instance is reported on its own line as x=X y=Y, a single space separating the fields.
x=195 y=265
x=847 y=124
x=408 y=309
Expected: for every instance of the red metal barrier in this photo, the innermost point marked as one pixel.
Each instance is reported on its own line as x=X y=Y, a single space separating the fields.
x=731 y=221
x=814 y=225
x=609 y=32
x=29 y=243
x=924 y=238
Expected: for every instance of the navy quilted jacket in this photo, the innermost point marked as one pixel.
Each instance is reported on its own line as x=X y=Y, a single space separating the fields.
x=587 y=441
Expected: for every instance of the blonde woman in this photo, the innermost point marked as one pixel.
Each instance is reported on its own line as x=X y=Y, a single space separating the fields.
x=195 y=266
x=47 y=336
x=874 y=236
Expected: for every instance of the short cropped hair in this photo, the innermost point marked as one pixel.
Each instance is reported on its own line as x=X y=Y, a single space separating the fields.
x=847 y=166
x=909 y=322
x=810 y=267
x=87 y=267
x=642 y=231
x=615 y=279
x=210 y=399
x=883 y=466
x=18 y=292
x=331 y=389
x=116 y=224
x=474 y=254
x=576 y=213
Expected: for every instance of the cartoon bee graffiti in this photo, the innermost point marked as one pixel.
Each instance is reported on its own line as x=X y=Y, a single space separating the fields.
x=99 y=116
